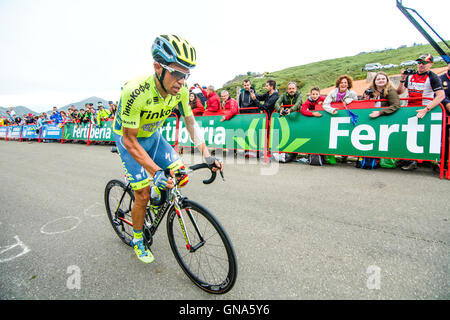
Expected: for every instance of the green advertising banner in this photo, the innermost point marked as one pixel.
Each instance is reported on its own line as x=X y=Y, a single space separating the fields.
x=241 y=132
x=400 y=135
x=74 y=131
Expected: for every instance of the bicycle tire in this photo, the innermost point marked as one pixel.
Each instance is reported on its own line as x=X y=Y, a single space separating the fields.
x=224 y=259
x=122 y=223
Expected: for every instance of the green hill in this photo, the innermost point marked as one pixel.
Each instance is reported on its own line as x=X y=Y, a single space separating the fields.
x=324 y=73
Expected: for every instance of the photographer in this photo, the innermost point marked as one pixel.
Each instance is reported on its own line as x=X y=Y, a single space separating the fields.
x=381 y=88
x=245 y=100
x=423 y=84
x=269 y=98
x=291 y=97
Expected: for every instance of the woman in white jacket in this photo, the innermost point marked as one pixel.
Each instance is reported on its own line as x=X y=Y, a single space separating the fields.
x=342 y=93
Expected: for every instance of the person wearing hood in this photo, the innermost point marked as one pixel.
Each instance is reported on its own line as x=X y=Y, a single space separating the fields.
x=245 y=100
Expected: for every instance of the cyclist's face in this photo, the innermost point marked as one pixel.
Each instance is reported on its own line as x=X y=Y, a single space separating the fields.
x=172 y=83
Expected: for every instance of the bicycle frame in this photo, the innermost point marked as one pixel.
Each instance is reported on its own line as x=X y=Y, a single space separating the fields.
x=174 y=200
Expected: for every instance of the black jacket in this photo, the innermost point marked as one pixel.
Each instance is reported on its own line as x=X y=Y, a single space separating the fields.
x=245 y=101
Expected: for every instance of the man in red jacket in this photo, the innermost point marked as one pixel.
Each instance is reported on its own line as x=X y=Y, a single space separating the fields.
x=230 y=106
x=213 y=102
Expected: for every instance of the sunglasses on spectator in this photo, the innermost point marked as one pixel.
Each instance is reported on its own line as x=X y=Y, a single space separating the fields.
x=176 y=73
x=423 y=62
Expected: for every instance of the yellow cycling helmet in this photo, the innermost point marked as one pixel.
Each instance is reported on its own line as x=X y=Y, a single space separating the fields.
x=171 y=48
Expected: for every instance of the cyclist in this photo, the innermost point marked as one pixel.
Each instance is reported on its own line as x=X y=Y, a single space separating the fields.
x=145 y=103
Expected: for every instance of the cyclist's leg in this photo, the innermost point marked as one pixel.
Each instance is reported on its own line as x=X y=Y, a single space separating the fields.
x=140 y=184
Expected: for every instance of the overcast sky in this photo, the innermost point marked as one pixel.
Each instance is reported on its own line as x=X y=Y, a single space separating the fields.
x=59 y=52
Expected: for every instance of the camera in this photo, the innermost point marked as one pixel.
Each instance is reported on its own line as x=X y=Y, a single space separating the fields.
x=409 y=71
x=283 y=112
x=369 y=92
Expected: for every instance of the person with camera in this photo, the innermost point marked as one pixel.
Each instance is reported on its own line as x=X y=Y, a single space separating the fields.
x=292 y=98
x=381 y=89
x=269 y=98
x=245 y=100
x=421 y=84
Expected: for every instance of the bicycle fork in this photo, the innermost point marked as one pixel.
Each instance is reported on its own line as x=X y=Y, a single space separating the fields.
x=189 y=246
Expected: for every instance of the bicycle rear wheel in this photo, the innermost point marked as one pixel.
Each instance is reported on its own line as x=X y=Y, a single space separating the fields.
x=118 y=203
x=208 y=259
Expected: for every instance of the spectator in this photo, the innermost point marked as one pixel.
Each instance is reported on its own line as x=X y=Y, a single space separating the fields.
x=314 y=99
x=30 y=119
x=90 y=115
x=83 y=116
x=291 y=97
x=2 y=121
x=18 y=121
x=196 y=105
x=10 y=117
x=12 y=112
x=381 y=88
x=56 y=116
x=445 y=79
x=245 y=100
x=423 y=84
x=342 y=93
x=112 y=108
x=269 y=98
x=64 y=117
x=201 y=94
x=45 y=115
x=213 y=102
x=229 y=104
x=102 y=114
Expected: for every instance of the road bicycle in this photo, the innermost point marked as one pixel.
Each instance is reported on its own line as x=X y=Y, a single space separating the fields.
x=198 y=241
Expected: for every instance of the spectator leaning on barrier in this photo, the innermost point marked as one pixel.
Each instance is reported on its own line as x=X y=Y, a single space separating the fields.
x=341 y=93
x=423 y=84
x=381 y=88
x=102 y=114
x=229 y=104
x=10 y=117
x=196 y=105
x=245 y=100
x=310 y=105
x=112 y=108
x=445 y=79
x=213 y=102
x=269 y=98
x=291 y=97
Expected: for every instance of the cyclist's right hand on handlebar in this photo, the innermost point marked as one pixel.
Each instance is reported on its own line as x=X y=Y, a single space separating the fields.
x=214 y=163
x=162 y=180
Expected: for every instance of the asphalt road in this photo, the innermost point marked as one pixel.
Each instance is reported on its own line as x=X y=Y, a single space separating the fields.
x=300 y=232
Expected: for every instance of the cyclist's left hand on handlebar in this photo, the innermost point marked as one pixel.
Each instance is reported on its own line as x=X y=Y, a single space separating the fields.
x=214 y=163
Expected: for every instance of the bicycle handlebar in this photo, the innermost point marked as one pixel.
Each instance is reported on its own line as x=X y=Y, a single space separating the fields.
x=193 y=168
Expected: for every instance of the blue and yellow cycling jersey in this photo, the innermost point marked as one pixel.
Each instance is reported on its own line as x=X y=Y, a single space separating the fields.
x=141 y=106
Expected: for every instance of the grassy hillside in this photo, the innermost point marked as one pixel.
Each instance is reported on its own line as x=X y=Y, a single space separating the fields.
x=325 y=73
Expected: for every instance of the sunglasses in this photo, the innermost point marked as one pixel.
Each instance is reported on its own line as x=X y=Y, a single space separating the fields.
x=423 y=62
x=176 y=73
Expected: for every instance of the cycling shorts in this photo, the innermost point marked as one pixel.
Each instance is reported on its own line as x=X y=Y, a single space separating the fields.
x=157 y=148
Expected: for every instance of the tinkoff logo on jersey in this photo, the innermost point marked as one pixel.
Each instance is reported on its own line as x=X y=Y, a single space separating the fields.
x=152 y=115
x=133 y=96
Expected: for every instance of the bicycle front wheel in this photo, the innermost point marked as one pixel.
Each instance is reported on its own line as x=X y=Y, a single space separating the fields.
x=118 y=203
x=202 y=248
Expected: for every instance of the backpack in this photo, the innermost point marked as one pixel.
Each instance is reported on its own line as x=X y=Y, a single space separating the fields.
x=368 y=163
x=315 y=159
x=282 y=157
